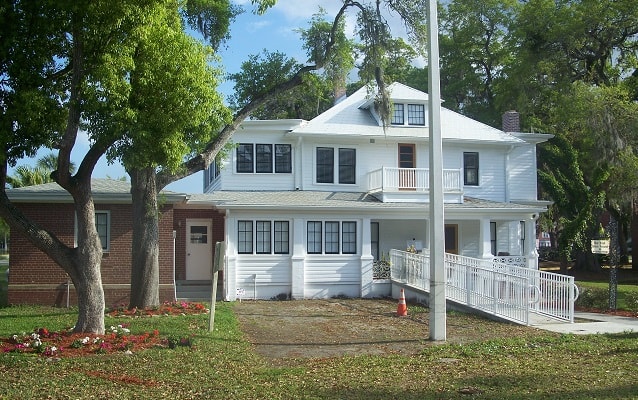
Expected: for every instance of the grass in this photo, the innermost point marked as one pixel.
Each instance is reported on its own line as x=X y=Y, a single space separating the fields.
x=223 y=365
x=625 y=292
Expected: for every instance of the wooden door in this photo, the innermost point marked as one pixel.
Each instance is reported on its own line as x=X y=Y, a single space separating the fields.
x=407 y=159
x=452 y=238
x=199 y=250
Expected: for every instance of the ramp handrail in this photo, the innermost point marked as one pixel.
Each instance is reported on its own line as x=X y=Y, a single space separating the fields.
x=505 y=290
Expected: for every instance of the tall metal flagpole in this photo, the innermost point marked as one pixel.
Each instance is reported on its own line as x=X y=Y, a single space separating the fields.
x=437 y=224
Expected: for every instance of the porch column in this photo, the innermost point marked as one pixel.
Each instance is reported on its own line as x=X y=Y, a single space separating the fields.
x=530 y=242
x=230 y=272
x=366 y=259
x=297 y=259
x=485 y=244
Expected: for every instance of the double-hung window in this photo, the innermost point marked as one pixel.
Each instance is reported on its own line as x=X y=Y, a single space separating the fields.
x=471 y=168
x=349 y=237
x=102 y=224
x=332 y=237
x=493 y=237
x=282 y=237
x=416 y=114
x=263 y=158
x=262 y=239
x=314 y=237
x=346 y=165
x=283 y=158
x=245 y=237
x=398 y=117
x=325 y=164
x=245 y=158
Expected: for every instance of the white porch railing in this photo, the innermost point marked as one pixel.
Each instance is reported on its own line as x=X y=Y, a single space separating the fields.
x=507 y=291
x=415 y=179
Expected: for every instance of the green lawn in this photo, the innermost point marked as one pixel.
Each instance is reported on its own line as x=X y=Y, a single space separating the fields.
x=627 y=294
x=224 y=366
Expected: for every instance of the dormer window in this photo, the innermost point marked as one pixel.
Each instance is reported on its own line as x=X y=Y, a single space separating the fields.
x=414 y=114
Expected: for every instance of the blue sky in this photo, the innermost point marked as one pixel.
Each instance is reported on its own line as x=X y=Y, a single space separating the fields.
x=250 y=34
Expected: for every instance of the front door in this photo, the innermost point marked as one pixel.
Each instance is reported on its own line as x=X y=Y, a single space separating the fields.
x=452 y=238
x=199 y=250
x=407 y=159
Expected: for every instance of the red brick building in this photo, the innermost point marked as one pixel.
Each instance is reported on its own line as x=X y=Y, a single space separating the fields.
x=36 y=279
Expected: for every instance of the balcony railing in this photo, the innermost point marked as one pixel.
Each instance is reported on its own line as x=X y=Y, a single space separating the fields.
x=392 y=179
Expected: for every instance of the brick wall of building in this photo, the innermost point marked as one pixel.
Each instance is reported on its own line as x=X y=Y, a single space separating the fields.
x=35 y=279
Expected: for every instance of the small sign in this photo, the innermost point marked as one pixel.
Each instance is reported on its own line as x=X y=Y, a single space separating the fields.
x=241 y=292
x=600 y=246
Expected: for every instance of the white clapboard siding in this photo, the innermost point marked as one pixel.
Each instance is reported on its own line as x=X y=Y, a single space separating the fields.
x=329 y=276
x=522 y=173
x=264 y=276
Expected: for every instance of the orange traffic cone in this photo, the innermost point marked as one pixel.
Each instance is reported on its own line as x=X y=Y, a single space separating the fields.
x=402 y=310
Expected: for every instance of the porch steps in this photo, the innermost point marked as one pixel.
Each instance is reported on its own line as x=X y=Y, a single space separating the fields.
x=196 y=290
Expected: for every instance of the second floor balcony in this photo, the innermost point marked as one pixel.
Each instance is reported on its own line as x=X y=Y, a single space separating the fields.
x=392 y=184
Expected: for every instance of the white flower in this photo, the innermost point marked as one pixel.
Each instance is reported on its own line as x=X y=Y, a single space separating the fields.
x=96 y=340
x=126 y=330
x=37 y=343
x=14 y=337
x=53 y=348
x=86 y=340
x=34 y=336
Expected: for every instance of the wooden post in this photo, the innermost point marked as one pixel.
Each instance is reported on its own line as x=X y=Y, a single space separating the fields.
x=217 y=266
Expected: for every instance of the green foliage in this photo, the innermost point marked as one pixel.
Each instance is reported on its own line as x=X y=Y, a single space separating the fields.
x=475 y=47
x=631 y=300
x=259 y=74
x=593 y=297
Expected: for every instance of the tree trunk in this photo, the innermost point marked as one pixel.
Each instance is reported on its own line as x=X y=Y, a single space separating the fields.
x=145 y=245
x=85 y=267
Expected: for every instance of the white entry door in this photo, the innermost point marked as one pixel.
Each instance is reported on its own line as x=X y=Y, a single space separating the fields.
x=199 y=250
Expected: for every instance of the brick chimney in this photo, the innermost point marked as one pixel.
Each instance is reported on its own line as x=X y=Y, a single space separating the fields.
x=511 y=121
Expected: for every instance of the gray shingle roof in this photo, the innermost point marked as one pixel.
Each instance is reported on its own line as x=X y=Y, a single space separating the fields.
x=353 y=201
x=104 y=191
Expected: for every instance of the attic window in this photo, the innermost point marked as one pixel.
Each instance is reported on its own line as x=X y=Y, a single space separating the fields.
x=415 y=114
x=397 y=115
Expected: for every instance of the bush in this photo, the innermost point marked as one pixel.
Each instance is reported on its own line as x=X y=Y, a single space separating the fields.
x=548 y=254
x=631 y=301
x=593 y=298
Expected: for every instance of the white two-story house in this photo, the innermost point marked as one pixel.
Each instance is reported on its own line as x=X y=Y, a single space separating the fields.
x=310 y=207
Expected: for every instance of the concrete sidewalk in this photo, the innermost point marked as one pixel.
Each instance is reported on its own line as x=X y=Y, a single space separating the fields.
x=587 y=323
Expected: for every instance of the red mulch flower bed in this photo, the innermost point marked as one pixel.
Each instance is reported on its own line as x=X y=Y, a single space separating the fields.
x=116 y=339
